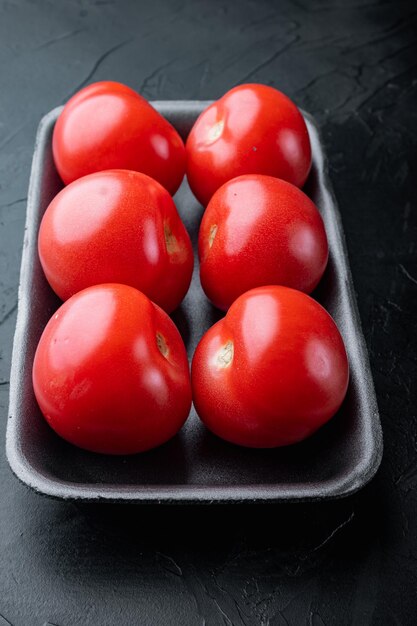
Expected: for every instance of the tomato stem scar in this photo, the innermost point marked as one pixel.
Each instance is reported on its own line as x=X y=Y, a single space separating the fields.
x=215 y=131
x=162 y=345
x=212 y=234
x=225 y=355
x=170 y=240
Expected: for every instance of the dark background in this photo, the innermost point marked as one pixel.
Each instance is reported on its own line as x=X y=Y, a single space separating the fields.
x=353 y=65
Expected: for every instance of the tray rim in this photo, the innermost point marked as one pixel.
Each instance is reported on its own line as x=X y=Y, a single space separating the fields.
x=186 y=494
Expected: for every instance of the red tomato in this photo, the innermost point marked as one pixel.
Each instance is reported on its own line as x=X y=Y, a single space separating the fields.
x=272 y=371
x=258 y=230
x=252 y=129
x=110 y=372
x=108 y=125
x=116 y=226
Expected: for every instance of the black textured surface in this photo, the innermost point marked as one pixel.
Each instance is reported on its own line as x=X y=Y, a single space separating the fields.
x=195 y=466
x=353 y=65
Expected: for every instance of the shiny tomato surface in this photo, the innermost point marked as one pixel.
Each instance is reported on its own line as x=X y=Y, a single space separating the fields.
x=252 y=129
x=116 y=226
x=259 y=230
x=107 y=125
x=272 y=371
x=110 y=372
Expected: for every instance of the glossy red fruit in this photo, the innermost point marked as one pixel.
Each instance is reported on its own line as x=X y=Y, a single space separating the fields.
x=252 y=129
x=116 y=226
x=259 y=230
x=107 y=125
x=110 y=372
x=272 y=371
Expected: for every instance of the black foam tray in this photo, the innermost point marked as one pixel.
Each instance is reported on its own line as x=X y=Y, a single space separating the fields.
x=195 y=466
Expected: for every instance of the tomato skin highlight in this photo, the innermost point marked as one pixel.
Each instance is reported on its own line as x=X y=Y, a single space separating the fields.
x=252 y=129
x=110 y=372
x=116 y=226
x=107 y=125
x=272 y=372
x=259 y=230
